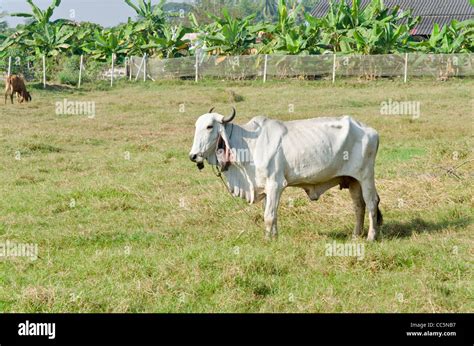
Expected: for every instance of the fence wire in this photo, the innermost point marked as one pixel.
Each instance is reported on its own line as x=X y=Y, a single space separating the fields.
x=264 y=67
x=29 y=68
x=64 y=70
x=439 y=66
x=164 y=68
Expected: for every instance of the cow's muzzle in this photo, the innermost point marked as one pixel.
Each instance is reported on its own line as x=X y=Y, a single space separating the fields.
x=198 y=159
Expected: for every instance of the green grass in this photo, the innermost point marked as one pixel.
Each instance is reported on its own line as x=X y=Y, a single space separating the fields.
x=153 y=234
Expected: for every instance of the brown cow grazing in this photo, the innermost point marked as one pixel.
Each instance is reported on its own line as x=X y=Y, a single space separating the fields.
x=16 y=85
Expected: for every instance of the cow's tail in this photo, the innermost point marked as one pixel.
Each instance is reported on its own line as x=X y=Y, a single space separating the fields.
x=379 y=213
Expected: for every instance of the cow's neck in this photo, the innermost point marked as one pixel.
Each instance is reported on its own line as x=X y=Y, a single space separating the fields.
x=240 y=174
x=236 y=135
x=229 y=129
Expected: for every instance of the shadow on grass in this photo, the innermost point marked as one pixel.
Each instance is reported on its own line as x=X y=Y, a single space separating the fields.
x=394 y=229
x=52 y=87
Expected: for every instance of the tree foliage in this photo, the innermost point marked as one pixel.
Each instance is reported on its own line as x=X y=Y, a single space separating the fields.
x=266 y=26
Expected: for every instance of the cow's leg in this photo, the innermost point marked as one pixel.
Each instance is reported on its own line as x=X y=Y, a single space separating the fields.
x=359 y=206
x=372 y=201
x=7 y=88
x=272 y=200
x=8 y=92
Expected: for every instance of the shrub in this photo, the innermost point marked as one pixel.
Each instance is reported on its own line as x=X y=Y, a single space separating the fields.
x=70 y=71
x=92 y=70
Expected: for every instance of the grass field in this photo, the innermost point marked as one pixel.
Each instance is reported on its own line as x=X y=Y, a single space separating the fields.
x=124 y=222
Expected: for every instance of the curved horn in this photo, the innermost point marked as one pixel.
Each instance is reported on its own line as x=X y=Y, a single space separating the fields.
x=230 y=117
x=210 y=110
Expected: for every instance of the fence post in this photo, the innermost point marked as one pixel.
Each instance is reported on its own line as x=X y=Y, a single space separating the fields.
x=144 y=67
x=80 y=71
x=406 y=68
x=44 y=71
x=9 y=65
x=113 y=70
x=334 y=68
x=265 y=68
x=130 y=64
x=196 y=67
x=139 y=69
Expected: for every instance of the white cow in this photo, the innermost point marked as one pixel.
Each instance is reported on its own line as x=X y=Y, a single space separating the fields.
x=261 y=158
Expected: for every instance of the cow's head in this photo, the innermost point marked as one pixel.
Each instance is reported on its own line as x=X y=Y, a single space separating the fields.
x=210 y=130
x=26 y=96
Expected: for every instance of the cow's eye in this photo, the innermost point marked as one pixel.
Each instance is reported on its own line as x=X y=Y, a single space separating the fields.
x=210 y=127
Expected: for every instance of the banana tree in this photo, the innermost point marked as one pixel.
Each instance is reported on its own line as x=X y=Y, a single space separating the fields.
x=375 y=29
x=83 y=32
x=137 y=43
x=51 y=41
x=287 y=36
x=311 y=30
x=15 y=40
x=151 y=18
x=269 y=9
x=229 y=36
x=381 y=38
x=143 y=35
x=335 y=25
x=286 y=18
x=39 y=16
x=3 y=53
x=457 y=37
x=172 y=44
x=106 y=43
x=41 y=36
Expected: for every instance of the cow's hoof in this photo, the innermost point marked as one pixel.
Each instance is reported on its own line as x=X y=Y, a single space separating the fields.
x=269 y=237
